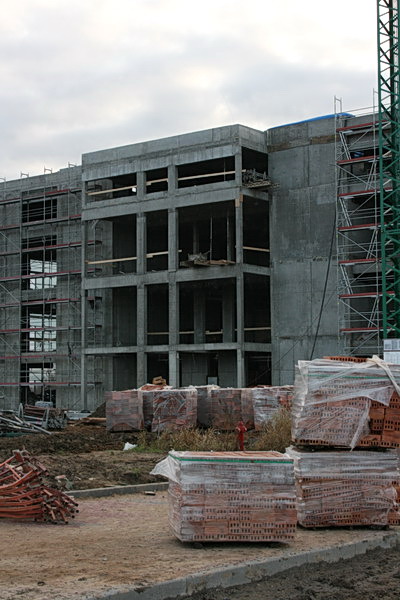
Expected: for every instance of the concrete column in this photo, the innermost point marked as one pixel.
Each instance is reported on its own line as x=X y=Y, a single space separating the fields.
x=141 y=368
x=141 y=245
x=239 y=229
x=173 y=255
x=173 y=366
x=173 y=328
x=241 y=380
x=172 y=179
x=238 y=167
x=199 y=316
x=141 y=316
x=228 y=315
x=239 y=290
x=141 y=185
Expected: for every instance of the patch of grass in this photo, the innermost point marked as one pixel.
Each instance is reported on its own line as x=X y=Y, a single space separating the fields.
x=276 y=434
x=185 y=439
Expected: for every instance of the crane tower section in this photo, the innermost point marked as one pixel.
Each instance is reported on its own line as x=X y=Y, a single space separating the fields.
x=389 y=163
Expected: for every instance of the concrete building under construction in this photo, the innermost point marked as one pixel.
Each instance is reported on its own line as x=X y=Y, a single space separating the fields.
x=208 y=257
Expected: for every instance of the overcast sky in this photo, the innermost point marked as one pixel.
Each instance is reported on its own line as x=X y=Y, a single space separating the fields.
x=82 y=75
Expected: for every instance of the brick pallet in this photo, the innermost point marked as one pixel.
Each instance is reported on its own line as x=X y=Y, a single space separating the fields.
x=267 y=401
x=230 y=496
x=333 y=400
x=124 y=411
x=228 y=406
x=341 y=488
x=203 y=404
x=174 y=409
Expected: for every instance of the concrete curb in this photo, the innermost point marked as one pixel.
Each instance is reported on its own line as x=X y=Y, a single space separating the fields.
x=251 y=571
x=119 y=489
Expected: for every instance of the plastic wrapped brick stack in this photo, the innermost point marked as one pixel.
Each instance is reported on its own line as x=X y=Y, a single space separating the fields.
x=228 y=406
x=203 y=404
x=146 y=394
x=333 y=399
x=267 y=401
x=337 y=488
x=124 y=411
x=230 y=496
x=174 y=409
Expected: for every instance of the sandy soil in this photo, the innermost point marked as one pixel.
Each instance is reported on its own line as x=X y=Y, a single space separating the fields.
x=124 y=541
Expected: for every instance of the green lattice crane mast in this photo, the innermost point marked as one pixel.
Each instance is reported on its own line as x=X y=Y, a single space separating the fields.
x=389 y=162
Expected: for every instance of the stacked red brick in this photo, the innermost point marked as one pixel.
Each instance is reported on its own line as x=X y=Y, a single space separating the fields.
x=267 y=401
x=333 y=400
x=124 y=411
x=339 y=488
x=228 y=406
x=230 y=496
x=174 y=409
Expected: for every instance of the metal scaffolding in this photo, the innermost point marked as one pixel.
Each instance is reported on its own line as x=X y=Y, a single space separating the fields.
x=358 y=233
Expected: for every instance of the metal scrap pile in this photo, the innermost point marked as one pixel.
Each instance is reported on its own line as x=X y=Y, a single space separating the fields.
x=24 y=493
x=11 y=423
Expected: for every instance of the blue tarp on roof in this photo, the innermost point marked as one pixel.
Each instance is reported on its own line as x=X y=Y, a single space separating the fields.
x=343 y=114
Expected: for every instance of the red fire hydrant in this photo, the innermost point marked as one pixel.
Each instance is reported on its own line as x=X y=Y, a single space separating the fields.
x=241 y=428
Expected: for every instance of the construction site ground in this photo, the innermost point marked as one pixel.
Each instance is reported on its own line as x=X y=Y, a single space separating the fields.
x=123 y=542
x=88 y=456
x=118 y=543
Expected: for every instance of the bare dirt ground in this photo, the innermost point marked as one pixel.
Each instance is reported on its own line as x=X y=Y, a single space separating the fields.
x=374 y=575
x=88 y=456
x=121 y=542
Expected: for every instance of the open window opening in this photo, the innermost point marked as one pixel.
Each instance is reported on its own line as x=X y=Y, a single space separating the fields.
x=255 y=168
x=256 y=232
x=257 y=368
x=156 y=180
x=206 y=172
x=124 y=372
x=39 y=328
x=39 y=209
x=207 y=312
x=257 y=313
x=36 y=382
x=157 y=314
x=39 y=261
x=111 y=188
x=157 y=365
x=207 y=234
x=157 y=240
x=124 y=329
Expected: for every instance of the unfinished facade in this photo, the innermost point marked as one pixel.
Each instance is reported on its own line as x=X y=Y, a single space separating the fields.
x=208 y=257
x=177 y=259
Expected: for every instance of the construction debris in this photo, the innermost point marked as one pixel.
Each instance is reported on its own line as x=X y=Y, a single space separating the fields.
x=12 y=424
x=230 y=496
x=201 y=260
x=338 y=488
x=24 y=493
